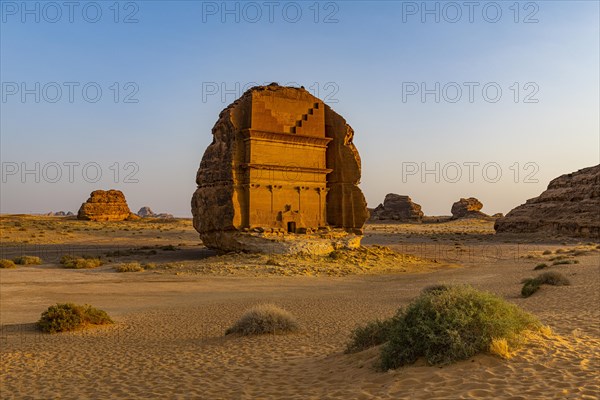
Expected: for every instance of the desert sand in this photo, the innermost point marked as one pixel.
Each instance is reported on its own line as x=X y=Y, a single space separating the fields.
x=168 y=340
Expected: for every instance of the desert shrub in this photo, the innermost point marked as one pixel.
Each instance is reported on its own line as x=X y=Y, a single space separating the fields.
x=557 y=258
x=532 y=285
x=150 y=265
x=540 y=266
x=68 y=317
x=565 y=262
x=558 y=251
x=264 y=318
x=553 y=278
x=169 y=247
x=80 y=262
x=27 y=260
x=546 y=252
x=450 y=325
x=579 y=252
x=372 y=334
x=129 y=267
x=4 y=263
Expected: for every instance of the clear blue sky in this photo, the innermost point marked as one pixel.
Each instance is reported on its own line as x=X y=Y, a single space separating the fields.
x=364 y=58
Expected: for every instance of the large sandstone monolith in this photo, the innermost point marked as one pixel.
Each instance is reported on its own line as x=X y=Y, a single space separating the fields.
x=569 y=207
x=467 y=208
x=281 y=170
x=105 y=206
x=398 y=208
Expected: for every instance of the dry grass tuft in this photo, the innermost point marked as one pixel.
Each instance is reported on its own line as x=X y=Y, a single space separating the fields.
x=532 y=285
x=27 y=260
x=265 y=319
x=501 y=348
x=129 y=267
x=80 y=262
x=7 y=264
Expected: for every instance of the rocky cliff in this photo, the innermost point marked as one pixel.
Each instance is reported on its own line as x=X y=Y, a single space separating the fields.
x=570 y=207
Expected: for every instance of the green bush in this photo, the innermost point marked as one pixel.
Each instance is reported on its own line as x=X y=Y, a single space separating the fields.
x=540 y=266
x=27 y=260
x=445 y=326
x=532 y=285
x=69 y=317
x=4 y=263
x=80 y=262
x=264 y=318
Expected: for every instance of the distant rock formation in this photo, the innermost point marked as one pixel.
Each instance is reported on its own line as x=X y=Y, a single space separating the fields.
x=467 y=208
x=105 y=206
x=498 y=215
x=570 y=207
x=281 y=161
x=146 y=212
x=398 y=208
x=59 y=214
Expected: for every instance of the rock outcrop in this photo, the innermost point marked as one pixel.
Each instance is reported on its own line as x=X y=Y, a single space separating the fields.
x=569 y=207
x=146 y=212
x=281 y=161
x=398 y=208
x=467 y=208
x=105 y=206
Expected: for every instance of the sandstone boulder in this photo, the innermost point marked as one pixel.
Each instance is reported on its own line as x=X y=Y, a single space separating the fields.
x=467 y=208
x=105 y=206
x=398 y=208
x=570 y=206
x=280 y=161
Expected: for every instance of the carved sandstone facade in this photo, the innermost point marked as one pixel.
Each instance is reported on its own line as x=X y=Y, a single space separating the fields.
x=281 y=161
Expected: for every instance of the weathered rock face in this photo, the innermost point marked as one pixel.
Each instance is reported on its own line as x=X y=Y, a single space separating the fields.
x=467 y=208
x=281 y=161
x=570 y=207
x=398 y=208
x=105 y=206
